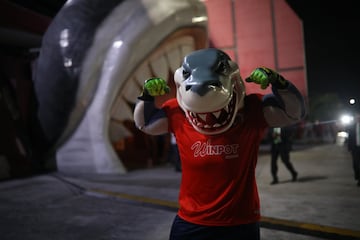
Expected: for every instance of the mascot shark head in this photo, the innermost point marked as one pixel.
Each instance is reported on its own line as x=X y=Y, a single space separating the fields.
x=209 y=90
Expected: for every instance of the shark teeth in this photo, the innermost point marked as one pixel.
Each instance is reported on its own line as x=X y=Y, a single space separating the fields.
x=202 y=116
x=217 y=114
x=214 y=120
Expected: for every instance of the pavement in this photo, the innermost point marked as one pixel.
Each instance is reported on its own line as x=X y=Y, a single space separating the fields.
x=323 y=204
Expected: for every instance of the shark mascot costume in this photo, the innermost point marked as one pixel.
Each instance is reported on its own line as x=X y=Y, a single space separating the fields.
x=218 y=130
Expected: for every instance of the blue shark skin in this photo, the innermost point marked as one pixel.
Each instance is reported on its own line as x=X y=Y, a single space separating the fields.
x=203 y=75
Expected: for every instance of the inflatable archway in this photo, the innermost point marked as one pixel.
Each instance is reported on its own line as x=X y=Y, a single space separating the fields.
x=93 y=61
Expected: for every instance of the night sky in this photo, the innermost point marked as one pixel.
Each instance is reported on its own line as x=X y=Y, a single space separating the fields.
x=332 y=47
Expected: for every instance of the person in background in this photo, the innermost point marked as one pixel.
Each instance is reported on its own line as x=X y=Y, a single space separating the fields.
x=173 y=155
x=354 y=147
x=281 y=144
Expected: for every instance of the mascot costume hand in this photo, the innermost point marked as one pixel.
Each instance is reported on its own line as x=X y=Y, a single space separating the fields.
x=264 y=76
x=154 y=87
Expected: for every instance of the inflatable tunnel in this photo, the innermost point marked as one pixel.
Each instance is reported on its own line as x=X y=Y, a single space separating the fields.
x=94 y=59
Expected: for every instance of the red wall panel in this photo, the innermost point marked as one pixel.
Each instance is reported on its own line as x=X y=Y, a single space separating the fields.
x=254 y=38
x=289 y=37
x=259 y=33
x=221 y=32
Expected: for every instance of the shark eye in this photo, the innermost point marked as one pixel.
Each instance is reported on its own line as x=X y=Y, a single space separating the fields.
x=222 y=67
x=186 y=74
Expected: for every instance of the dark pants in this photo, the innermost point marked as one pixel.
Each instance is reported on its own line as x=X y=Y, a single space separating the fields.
x=284 y=151
x=183 y=230
x=174 y=157
x=355 y=153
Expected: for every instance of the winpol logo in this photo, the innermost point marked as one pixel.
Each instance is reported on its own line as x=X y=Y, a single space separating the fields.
x=205 y=148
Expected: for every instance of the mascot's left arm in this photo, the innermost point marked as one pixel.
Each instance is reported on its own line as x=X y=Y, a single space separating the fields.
x=285 y=106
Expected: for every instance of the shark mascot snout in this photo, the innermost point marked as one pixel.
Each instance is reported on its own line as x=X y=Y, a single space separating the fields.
x=209 y=92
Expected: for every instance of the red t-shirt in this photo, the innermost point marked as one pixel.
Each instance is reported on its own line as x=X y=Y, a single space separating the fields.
x=218 y=186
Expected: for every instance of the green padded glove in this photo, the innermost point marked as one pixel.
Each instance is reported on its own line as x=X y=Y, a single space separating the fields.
x=154 y=87
x=264 y=76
